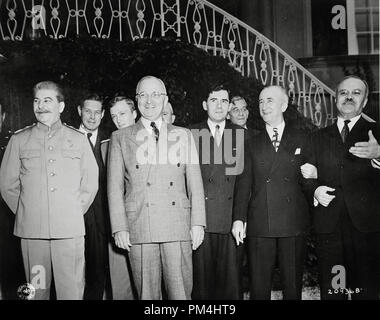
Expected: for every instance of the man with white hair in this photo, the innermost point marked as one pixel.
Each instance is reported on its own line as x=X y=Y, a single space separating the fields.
x=157 y=208
x=270 y=198
x=168 y=113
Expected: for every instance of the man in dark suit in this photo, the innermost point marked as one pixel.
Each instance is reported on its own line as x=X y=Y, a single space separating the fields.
x=269 y=197
x=91 y=111
x=219 y=143
x=346 y=195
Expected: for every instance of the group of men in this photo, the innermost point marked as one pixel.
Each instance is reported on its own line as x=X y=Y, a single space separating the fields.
x=160 y=211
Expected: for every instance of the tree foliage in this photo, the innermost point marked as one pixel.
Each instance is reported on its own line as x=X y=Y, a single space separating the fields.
x=111 y=67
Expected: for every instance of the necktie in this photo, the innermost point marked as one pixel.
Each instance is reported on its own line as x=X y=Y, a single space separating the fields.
x=345 y=131
x=156 y=132
x=218 y=136
x=89 y=135
x=275 y=140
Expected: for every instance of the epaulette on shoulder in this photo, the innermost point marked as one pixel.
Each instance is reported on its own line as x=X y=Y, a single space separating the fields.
x=105 y=140
x=23 y=129
x=75 y=129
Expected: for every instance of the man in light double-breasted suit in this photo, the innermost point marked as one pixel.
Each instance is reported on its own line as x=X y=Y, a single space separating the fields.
x=156 y=197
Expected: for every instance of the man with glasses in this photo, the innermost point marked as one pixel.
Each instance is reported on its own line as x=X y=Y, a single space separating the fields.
x=238 y=113
x=156 y=197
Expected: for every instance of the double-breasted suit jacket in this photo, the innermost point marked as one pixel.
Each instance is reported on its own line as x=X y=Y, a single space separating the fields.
x=269 y=193
x=155 y=200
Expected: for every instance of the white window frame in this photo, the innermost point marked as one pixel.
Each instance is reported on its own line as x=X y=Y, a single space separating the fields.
x=352 y=39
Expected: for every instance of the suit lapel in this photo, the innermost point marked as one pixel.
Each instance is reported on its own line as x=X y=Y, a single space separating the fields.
x=265 y=151
x=207 y=168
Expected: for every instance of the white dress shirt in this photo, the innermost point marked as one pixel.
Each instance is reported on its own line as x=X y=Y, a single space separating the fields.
x=146 y=123
x=94 y=135
x=340 y=122
x=212 y=126
x=280 y=130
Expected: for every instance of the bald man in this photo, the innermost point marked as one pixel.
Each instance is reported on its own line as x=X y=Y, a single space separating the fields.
x=156 y=199
x=168 y=113
x=269 y=197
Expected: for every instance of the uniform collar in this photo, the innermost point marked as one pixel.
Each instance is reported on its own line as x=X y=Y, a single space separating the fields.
x=54 y=127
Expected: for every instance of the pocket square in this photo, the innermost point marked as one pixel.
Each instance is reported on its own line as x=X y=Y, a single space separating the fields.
x=298 y=151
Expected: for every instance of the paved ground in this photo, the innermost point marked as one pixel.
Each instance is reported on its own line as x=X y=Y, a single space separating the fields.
x=308 y=293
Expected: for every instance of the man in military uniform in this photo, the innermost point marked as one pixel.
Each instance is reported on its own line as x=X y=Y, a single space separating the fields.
x=49 y=178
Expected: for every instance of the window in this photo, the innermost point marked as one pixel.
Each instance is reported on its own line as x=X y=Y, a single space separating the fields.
x=363 y=26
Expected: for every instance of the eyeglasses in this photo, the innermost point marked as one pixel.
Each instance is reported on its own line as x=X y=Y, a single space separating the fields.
x=143 y=96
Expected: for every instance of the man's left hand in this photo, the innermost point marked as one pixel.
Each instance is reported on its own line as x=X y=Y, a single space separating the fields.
x=197 y=235
x=367 y=150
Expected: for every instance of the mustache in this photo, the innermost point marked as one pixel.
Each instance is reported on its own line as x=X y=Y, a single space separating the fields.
x=43 y=111
x=350 y=101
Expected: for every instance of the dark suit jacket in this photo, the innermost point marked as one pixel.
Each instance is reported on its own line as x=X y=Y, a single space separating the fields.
x=97 y=213
x=217 y=182
x=356 y=182
x=269 y=193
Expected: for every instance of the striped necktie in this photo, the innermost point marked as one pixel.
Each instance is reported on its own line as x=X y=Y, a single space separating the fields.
x=156 y=132
x=275 y=141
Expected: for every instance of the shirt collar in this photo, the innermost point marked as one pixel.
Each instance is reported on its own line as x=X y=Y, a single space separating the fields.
x=212 y=125
x=146 y=123
x=340 y=122
x=94 y=134
x=280 y=130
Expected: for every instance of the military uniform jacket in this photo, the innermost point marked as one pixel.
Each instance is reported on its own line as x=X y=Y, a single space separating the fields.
x=49 y=178
x=155 y=200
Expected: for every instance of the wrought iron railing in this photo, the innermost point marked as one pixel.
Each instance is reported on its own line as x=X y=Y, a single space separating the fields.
x=196 y=21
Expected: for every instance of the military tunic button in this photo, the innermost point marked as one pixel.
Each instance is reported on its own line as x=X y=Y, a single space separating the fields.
x=137 y=166
x=268 y=180
x=178 y=164
x=52 y=189
x=148 y=184
x=173 y=203
x=51 y=160
x=50 y=148
x=171 y=183
x=52 y=174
